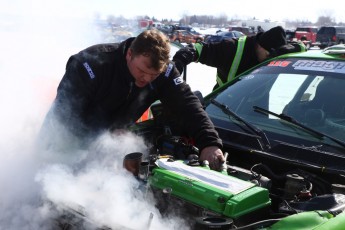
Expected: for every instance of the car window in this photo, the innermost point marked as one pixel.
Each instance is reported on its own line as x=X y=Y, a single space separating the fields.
x=278 y=97
x=328 y=30
x=302 y=29
x=237 y=34
x=312 y=93
x=223 y=33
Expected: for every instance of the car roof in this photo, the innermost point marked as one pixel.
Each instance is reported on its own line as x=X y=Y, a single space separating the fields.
x=306 y=27
x=332 y=52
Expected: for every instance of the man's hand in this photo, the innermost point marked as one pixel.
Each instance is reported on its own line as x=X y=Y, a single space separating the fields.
x=184 y=56
x=214 y=156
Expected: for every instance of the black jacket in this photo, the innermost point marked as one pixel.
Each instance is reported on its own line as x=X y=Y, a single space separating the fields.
x=98 y=92
x=222 y=54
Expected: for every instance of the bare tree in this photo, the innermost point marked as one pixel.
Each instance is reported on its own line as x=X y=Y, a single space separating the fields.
x=325 y=20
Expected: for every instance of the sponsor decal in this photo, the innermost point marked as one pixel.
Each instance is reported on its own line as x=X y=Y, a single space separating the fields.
x=325 y=66
x=178 y=80
x=89 y=70
x=279 y=63
x=170 y=67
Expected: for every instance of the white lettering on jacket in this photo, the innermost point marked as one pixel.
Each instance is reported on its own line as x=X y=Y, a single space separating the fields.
x=170 y=67
x=89 y=70
x=178 y=80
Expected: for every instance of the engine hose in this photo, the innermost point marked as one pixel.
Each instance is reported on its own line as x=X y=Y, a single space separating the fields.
x=271 y=175
x=259 y=224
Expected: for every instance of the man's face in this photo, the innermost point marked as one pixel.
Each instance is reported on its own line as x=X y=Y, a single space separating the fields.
x=139 y=67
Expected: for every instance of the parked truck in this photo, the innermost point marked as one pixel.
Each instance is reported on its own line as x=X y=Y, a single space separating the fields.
x=307 y=35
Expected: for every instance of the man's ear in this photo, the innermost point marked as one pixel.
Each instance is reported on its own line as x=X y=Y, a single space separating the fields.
x=129 y=54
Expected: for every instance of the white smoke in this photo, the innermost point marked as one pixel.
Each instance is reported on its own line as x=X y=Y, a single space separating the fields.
x=37 y=186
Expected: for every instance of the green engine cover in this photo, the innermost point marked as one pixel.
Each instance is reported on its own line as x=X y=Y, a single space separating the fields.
x=209 y=189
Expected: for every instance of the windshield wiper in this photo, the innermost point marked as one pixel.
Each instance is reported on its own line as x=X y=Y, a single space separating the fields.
x=256 y=130
x=295 y=122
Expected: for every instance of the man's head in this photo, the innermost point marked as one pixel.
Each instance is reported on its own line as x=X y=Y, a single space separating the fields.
x=148 y=56
x=270 y=41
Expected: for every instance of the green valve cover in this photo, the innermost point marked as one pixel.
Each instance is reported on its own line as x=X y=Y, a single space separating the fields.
x=209 y=189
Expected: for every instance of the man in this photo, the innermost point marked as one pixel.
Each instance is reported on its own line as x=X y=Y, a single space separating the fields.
x=109 y=86
x=233 y=57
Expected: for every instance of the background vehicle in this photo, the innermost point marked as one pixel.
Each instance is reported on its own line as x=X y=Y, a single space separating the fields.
x=245 y=30
x=283 y=125
x=307 y=35
x=183 y=36
x=330 y=35
x=188 y=28
x=224 y=35
x=290 y=35
x=166 y=29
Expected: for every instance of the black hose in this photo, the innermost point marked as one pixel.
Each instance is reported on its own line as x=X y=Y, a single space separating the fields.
x=270 y=172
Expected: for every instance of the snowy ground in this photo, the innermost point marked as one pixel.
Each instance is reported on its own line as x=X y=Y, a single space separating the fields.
x=200 y=77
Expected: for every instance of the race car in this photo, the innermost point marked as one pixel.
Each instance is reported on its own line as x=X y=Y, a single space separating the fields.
x=283 y=129
x=283 y=125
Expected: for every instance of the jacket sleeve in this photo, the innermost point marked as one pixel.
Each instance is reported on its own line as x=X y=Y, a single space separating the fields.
x=292 y=47
x=218 y=54
x=73 y=97
x=175 y=94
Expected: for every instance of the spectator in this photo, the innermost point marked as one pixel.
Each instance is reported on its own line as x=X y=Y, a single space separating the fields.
x=234 y=56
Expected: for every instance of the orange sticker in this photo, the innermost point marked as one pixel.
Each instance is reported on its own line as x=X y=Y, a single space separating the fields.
x=279 y=63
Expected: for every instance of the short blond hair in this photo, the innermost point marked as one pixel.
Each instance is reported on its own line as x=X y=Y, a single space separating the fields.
x=154 y=44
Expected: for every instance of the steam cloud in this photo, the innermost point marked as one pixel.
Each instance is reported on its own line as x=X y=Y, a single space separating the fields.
x=37 y=186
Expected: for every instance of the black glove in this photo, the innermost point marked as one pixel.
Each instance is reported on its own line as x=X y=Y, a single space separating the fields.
x=292 y=47
x=184 y=56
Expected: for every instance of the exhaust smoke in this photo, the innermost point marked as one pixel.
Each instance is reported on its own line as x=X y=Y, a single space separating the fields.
x=36 y=185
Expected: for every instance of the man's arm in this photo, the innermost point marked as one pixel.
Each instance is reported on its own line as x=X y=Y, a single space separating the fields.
x=70 y=105
x=185 y=105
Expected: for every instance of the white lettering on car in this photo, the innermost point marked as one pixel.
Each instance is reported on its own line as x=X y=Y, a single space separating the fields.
x=326 y=66
x=178 y=80
x=89 y=70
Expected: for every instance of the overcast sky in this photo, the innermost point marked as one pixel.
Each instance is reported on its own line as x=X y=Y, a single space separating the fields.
x=264 y=9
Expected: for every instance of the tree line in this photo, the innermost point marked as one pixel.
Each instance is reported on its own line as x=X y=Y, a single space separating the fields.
x=219 y=21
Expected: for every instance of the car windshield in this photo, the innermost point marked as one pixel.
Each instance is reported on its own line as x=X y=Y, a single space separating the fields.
x=224 y=33
x=311 y=92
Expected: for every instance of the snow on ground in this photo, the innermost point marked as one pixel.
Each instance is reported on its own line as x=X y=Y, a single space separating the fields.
x=200 y=77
